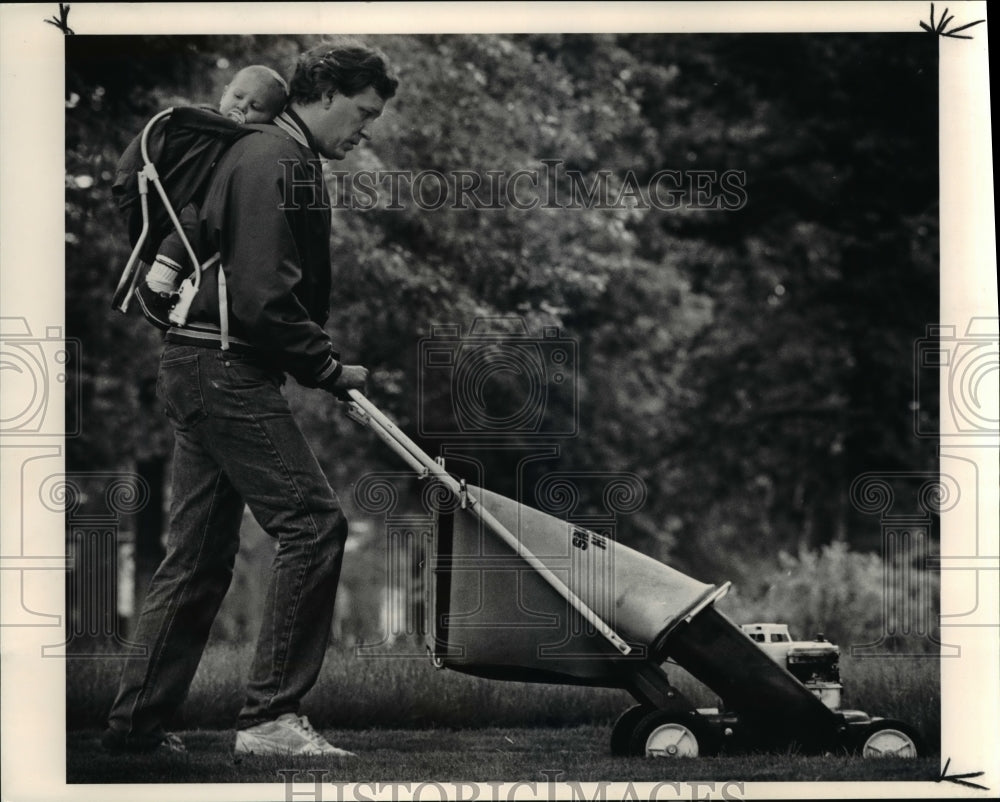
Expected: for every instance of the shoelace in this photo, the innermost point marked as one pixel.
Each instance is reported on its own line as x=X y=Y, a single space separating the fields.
x=173 y=742
x=307 y=730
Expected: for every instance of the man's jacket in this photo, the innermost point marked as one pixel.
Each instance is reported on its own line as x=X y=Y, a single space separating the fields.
x=267 y=213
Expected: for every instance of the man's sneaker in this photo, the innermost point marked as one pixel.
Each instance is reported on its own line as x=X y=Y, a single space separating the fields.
x=117 y=742
x=289 y=734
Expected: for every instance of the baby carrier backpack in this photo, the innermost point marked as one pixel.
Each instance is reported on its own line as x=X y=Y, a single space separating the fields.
x=176 y=152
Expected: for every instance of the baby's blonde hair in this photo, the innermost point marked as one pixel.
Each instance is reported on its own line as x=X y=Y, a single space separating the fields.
x=260 y=68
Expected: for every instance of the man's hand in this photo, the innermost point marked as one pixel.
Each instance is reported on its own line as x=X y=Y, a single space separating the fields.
x=352 y=377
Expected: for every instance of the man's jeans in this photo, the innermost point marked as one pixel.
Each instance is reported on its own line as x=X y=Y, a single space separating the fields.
x=236 y=442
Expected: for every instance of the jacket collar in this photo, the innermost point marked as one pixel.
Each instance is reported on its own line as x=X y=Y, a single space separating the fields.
x=290 y=122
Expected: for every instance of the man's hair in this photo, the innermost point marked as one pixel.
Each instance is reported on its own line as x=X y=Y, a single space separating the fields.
x=347 y=68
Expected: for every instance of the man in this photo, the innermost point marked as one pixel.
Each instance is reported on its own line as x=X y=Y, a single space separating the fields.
x=267 y=213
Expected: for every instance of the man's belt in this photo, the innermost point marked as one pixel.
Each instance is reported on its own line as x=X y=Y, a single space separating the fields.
x=208 y=335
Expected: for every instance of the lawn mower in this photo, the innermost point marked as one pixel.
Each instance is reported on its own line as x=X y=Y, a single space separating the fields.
x=517 y=594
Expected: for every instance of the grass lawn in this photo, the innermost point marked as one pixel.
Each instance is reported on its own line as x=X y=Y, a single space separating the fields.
x=409 y=722
x=473 y=755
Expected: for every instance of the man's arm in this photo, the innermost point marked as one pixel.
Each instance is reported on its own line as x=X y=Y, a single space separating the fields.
x=264 y=241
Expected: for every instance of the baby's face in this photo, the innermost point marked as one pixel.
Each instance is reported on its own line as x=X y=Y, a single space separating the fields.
x=252 y=98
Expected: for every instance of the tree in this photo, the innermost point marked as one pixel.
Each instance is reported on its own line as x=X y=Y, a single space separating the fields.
x=745 y=364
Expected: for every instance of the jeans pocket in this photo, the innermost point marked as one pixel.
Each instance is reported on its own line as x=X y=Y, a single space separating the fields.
x=178 y=386
x=247 y=373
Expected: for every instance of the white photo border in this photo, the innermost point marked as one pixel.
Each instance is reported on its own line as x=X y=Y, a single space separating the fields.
x=32 y=286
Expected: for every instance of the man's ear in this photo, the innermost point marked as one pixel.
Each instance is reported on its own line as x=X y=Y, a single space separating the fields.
x=328 y=97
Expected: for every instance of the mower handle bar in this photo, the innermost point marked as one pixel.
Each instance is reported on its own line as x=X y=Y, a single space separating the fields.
x=366 y=413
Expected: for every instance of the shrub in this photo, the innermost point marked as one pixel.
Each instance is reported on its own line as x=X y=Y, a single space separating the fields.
x=854 y=599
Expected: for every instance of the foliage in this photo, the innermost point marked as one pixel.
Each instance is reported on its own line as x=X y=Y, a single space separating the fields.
x=853 y=599
x=745 y=364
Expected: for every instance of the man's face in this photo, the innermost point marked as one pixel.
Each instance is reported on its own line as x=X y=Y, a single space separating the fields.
x=343 y=121
x=252 y=97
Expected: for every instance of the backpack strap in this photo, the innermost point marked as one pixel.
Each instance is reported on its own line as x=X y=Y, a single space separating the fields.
x=223 y=310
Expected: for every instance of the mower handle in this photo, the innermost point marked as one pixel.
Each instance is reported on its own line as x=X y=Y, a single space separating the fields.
x=366 y=413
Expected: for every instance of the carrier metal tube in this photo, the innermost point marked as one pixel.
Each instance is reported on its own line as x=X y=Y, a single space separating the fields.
x=130 y=276
x=149 y=170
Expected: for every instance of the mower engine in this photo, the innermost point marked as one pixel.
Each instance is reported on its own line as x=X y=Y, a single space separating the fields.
x=816 y=664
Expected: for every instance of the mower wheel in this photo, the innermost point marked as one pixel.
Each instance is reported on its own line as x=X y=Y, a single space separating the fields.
x=622 y=731
x=669 y=734
x=889 y=738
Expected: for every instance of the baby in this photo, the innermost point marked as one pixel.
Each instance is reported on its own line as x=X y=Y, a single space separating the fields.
x=256 y=94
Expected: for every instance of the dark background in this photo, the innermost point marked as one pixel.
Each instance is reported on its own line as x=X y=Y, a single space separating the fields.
x=748 y=366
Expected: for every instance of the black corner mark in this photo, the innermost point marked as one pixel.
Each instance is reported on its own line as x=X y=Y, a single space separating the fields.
x=960 y=779
x=940 y=27
x=62 y=22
